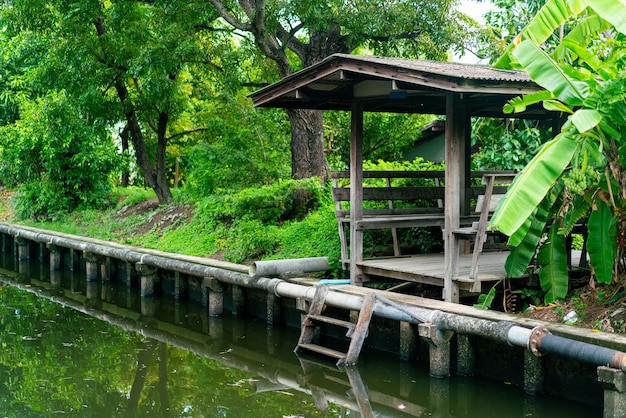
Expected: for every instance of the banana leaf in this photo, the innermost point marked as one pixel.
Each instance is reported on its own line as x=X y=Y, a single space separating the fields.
x=548 y=19
x=485 y=300
x=520 y=103
x=553 y=261
x=578 y=38
x=586 y=119
x=556 y=106
x=601 y=242
x=533 y=183
x=522 y=254
x=613 y=11
x=549 y=75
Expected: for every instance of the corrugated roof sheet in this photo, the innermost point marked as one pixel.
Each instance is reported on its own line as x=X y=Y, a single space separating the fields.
x=451 y=69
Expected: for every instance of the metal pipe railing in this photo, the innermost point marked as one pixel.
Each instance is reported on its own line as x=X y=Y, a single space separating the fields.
x=537 y=340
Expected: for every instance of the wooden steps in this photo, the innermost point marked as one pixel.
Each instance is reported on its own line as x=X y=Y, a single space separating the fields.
x=356 y=332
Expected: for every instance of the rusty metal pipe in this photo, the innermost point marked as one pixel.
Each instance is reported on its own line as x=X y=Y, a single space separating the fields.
x=578 y=350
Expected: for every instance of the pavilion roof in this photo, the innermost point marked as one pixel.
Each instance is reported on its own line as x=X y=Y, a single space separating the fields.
x=398 y=85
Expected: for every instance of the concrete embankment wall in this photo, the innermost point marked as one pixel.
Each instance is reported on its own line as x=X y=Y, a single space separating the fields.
x=452 y=338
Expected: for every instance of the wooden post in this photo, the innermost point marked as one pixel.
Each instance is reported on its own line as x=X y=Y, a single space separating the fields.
x=356 y=192
x=457 y=128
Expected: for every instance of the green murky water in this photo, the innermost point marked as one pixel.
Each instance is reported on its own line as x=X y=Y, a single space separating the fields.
x=66 y=354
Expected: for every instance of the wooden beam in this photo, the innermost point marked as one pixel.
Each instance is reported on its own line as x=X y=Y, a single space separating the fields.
x=457 y=127
x=356 y=192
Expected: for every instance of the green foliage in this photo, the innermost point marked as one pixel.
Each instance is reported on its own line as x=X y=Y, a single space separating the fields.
x=57 y=160
x=506 y=145
x=386 y=136
x=271 y=204
x=132 y=195
x=314 y=236
x=241 y=148
x=553 y=262
x=486 y=299
x=249 y=239
x=584 y=75
x=602 y=242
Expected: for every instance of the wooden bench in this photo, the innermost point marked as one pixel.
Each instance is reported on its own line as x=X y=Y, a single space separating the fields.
x=403 y=206
x=495 y=185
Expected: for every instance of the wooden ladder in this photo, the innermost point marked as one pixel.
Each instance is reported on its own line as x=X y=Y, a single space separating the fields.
x=357 y=332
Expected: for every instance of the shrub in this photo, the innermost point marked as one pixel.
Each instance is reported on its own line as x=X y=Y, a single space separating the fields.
x=58 y=160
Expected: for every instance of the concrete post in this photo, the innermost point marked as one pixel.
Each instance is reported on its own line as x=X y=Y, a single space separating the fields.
x=273 y=309
x=56 y=254
x=127 y=279
x=149 y=306
x=614 y=383
x=180 y=286
x=74 y=260
x=91 y=265
x=239 y=299
x=213 y=296
x=303 y=306
x=23 y=248
x=215 y=328
x=439 y=348
x=466 y=355
x=148 y=279
x=91 y=290
x=439 y=397
x=41 y=252
x=408 y=340
x=107 y=269
x=533 y=373
x=55 y=280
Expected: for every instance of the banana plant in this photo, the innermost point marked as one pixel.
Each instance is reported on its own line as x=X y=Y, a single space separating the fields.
x=583 y=167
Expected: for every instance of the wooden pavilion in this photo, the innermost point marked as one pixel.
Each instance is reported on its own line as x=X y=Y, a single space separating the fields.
x=376 y=84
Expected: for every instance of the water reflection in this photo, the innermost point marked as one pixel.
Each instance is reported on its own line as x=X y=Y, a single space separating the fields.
x=69 y=349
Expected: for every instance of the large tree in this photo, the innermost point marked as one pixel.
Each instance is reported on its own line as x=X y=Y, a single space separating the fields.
x=128 y=63
x=297 y=34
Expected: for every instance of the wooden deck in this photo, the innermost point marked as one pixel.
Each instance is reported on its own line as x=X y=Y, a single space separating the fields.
x=429 y=268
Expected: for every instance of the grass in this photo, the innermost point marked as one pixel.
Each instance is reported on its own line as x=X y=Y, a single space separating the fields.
x=206 y=228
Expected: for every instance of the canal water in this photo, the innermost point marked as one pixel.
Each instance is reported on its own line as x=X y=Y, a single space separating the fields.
x=78 y=351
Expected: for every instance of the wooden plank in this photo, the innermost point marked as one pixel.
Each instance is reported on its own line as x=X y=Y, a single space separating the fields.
x=333 y=321
x=322 y=350
x=356 y=191
x=400 y=221
x=345 y=214
x=382 y=174
x=361 y=330
x=430 y=174
x=392 y=193
x=317 y=305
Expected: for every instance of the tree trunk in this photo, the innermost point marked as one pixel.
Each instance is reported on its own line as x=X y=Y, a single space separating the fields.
x=157 y=181
x=307 y=144
x=125 y=180
x=155 y=177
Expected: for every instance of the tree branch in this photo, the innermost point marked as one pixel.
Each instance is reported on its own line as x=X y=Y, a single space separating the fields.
x=229 y=17
x=187 y=133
